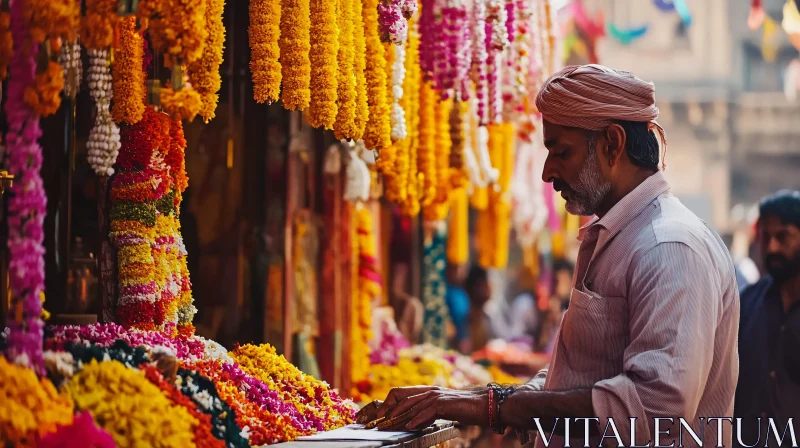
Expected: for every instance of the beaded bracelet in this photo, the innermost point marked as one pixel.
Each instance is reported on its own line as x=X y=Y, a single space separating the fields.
x=497 y=394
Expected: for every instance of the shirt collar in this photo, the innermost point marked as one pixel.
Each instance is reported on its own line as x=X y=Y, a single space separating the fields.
x=629 y=206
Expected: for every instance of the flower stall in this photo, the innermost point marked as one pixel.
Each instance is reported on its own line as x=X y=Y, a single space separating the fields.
x=372 y=107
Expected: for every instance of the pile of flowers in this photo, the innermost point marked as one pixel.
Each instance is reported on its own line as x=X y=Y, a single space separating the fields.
x=249 y=396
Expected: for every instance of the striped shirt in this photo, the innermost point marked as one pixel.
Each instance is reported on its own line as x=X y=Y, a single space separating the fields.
x=652 y=323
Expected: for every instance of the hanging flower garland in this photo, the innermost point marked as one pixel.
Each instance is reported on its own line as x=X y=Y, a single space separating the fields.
x=360 y=66
x=437 y=211
x=98 y=23
x=497 y=42
x=103 y=143
x=176 y=28
x=411 y=96
x=51 y=19
x=378 y=132
x=129 y=83
x=453 y=63
x=458 y=173
x=6 y=44
x=294 y=46
x=426 y=150
x=516 y=74
x=479 y=58
x=458 y=228
x=323 y=107
x=368 y=288
x=31 y=407
x=345 y=125
x=44 y=96
x=428 y=39
x=185 y=103
x=264 y=33
x=398 y=118
x=70 y=59
x=26 y=209
x=204 y=73
x=392 y=21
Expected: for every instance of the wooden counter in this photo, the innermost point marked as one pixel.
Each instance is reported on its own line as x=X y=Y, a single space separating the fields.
x=440 y=432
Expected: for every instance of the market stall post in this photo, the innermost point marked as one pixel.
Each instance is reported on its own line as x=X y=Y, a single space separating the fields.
x=6 y=182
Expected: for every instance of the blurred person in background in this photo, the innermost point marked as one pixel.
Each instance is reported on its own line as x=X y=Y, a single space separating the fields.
x=514 y=317
x=458 y=305
x=769 y=334
x=479 y=291
x=563 y=272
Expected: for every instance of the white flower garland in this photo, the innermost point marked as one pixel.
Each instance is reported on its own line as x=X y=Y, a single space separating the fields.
x=357 y=187
x=514 y=85
x=492 y=174
x=478 y=70
x=398 y=117
x=70 y=58
x=103 y=143
x=529 y=214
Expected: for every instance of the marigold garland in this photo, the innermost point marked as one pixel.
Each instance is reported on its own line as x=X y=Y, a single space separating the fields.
x=6 y=44
x=494 y=224
x=129 y=407
x=295 y=43
x=204 y=73
x=411 y=97
x=360 y=66
x=51 y=19
x=31 y=407
x=263 y=34
x=377 y=134
x=44 y=96
x=185 y=103
x=458 y=173
x=129 y=92
x=98 y=23
x=176 y=28
x=426 y=150
x=323 y=107
x=367 y=289
x=345 y=125
x=458 y=227
x=437 y=211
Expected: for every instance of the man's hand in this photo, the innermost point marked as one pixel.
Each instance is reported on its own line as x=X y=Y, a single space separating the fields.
x=418 y=408
x=399 y=394
x=368 y=413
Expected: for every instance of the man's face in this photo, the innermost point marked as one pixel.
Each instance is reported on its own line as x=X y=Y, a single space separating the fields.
x=573 y=168
x=780 y=243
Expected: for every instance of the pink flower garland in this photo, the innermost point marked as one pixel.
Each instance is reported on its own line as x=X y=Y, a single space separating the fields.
x=428 y=38
x=515 y=82
x=497 y=42
x=452 y=63
x=479 y=57
x=392 y=24
x=26 y=205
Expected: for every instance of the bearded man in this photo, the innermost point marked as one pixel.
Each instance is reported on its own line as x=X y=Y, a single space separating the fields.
x=769 y=337
x=651 y=328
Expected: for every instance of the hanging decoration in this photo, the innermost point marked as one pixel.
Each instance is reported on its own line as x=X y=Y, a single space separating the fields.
x=176 y=29
x=322 y=109
x=26 y=207
x=294 y=44
x=204 y=73
x=426 y=149
x=479 y=57
x=359 y=65
x=627 y=36
x=98 y=24
x=377 y=135
x=411 y=104
x=104 y=142
x=70 y=60
x=51 y=19
x=127 y=74
x=345 y=125
x=398 y=74
x=367 y=290
x=791 y=22
x=263 y=34
x=393 y=18
x=44 y=95
x=458 y=228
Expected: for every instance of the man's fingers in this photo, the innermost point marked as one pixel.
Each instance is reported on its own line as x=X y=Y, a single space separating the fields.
x=368 y=412
x=426 y=416
x=398 y=394
x=408 y=403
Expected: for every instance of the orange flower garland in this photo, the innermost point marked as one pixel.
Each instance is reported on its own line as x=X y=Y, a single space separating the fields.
x=44 y=96
x=204 y=73
x=367 y=289
x=378 y=133
x=263 y=33
x=128 y=77
x=387 y=161
x=426 y=151
x=360 y=66
x=97 y=25
x=494 y=224
x=295 y=43
x=345 y=125
x=51 y=19
x=323 y=107
x=437 y=211
x=410 y=103
x=458 y=173
x=458 y=227
x=176 y=28
x=185 y=103
x=6 y=44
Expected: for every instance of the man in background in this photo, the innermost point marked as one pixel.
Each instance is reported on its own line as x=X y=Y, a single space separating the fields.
x=769 y=334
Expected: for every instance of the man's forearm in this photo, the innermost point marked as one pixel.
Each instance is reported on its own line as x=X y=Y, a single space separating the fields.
x=519 y=410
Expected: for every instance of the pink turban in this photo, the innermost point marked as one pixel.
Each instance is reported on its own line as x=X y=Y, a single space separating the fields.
x=593 y=97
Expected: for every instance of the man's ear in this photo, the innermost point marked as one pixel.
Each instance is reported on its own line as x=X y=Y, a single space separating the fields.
x=616 y=138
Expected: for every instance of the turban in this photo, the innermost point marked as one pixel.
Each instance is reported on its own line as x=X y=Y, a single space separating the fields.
x=593 y=97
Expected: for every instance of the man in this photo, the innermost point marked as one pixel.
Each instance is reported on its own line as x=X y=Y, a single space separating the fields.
x=769 y=385
x=653 y=318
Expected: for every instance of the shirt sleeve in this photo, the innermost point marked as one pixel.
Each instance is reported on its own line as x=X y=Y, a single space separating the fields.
x=674 y=303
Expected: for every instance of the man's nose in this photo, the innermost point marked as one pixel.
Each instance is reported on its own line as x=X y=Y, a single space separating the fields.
x=548 y=172
x=773 y=246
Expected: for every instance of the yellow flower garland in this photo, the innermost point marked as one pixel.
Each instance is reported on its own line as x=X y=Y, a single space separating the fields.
x=128 y=77
x=30 y=407
x=458 y=228
x=458 y=173
x=51 y=19
x=411 y=95
x=378 y=133
x=367 y=289
x=204 y=73
x=493 y=227
x=387 y=161
x=345 y=125
x=44 y=96
x=426 y=151
x=360 y=66
x=323 y=107
x=295 y=43
x=134 y=411
x=437 y=211
x=97 y=26
x=263 y=33
x=176 y=28
x=185 y=103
